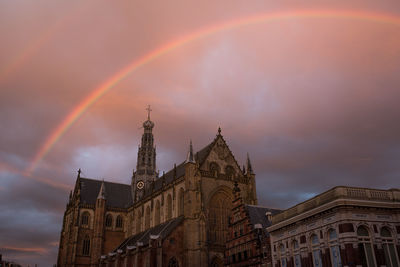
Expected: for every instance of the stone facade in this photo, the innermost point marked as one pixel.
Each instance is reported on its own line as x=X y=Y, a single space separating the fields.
x=102 y=215
x=345 y=226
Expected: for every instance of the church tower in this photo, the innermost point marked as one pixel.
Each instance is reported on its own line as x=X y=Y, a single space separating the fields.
x=145 y=172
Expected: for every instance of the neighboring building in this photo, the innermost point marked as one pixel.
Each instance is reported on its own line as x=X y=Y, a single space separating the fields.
x=194 y=198
x=248 y=242
x=345 y=226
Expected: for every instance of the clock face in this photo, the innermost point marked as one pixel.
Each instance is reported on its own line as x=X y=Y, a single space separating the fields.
x=140 y=185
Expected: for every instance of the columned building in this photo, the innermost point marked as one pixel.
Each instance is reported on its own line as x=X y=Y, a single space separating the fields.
x=179 y=217
x=344 y=226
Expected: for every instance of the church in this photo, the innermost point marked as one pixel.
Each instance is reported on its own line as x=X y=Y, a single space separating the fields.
x=178 y=218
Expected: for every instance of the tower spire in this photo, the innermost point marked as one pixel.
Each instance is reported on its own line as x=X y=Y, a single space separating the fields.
x=145 y=172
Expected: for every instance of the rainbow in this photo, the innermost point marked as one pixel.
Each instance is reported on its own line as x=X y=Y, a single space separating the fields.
x=108 y=84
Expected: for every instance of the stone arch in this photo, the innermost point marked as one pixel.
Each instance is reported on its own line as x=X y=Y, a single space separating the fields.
x=169 y=207
x=219 y=210
x=147 y=218
x=157 y=213
x=180 y=201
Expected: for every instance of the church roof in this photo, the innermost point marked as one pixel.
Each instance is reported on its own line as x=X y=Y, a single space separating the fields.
x=257 y=215
x=161 y=231
x=116 y=195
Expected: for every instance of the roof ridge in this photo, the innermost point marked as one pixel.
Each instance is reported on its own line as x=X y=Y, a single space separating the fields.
x=91 y=179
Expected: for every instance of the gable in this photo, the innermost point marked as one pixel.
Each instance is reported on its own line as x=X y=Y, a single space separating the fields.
x=219 y=153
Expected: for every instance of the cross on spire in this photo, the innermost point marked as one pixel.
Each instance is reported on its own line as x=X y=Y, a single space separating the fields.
x=148 y=112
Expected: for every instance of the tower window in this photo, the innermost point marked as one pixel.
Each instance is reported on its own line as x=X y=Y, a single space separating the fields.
x=85 y=218
x=86 y=246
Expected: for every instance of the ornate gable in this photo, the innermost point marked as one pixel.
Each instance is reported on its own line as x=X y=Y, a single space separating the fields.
x=219 y=158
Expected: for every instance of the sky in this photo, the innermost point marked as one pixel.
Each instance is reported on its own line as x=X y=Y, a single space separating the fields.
x=310 y=89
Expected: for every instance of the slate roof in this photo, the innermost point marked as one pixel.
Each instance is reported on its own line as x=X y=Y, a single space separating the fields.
x=257 y=215
x=117 y=195
x=162 y=230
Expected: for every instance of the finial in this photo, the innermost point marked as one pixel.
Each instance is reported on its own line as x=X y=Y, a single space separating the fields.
x=219 y=130
x=249 y=168
x=79 y=173
x=148 y=112
x=102 y=192
x=190 y=157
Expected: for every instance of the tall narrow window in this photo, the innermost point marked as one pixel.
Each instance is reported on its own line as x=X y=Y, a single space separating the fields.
x=296 y=253
x=181 y=202
x=86 y=246
x=316 y=252
x=334 y=248
x=85 y=218
x=169 y=207
x=119 y=222
x=365 y=247
x=218 y=217
x=109 y=220
x=389 y=249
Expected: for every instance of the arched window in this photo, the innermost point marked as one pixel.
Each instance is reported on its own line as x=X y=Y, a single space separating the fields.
x=229 y=172
x=389 y=249
x=296 y=253
x=138 y=222
x=157 y=213
x=334 y=248
x=147 y=218
x=119 y=222
x=316 y=252
x=220 y=207
x=86 y=246
x=214 y=169
x=282 y=255
x=181 y=202
x=365 y=247
x=173 y=262
x=85 y=218
x=169 y=207
x=109 y=220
